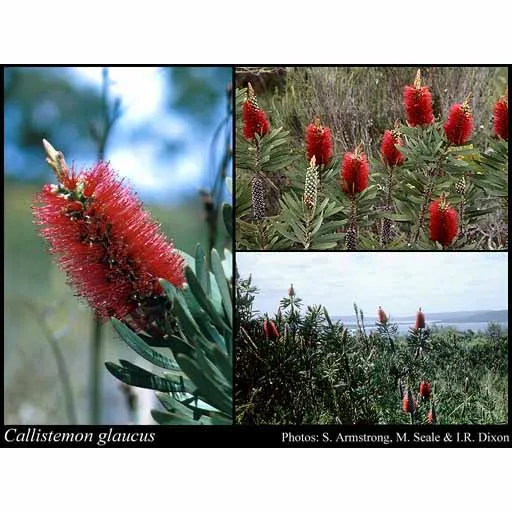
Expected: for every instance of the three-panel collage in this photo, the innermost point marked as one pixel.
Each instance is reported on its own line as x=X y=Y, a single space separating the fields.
x=255 y=245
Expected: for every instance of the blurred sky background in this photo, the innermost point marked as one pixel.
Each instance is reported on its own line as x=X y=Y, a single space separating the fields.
x=172 y=140
x=163 y=143
x=399 y=282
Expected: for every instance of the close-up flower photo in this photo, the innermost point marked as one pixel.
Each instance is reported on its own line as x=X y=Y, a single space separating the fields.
x=118 y=246
x=371 y=158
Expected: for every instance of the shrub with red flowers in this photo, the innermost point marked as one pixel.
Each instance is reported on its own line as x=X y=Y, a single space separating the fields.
x=118 y=260
x=382 y=197
x=344 y=370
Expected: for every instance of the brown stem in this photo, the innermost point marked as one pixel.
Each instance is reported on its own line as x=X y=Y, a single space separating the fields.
x=428 y=193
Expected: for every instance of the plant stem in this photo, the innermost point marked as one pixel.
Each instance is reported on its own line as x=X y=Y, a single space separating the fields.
x=95 y=368
x=428 y=193
x=61 y=367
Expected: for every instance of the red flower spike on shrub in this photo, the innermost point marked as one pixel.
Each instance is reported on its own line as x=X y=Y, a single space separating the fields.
x=501 y=117
x=390 y=154
x=253 y=118
x=354 y=172
x=420 y=320
x=381 y=315
x=459 y=123
x=409 y=403
x=270 y=329
x=444 y=222
x=319 y=142
x=111 y=250
x=425 y=389
x=418 y=103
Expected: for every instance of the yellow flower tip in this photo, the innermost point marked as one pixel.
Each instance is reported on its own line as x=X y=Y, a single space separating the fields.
x=312 y=162
x=417 y=80
x=55 y=160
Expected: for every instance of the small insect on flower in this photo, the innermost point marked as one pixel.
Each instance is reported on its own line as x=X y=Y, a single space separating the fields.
x=444 y=222
x=459 y=124
x=425 y=391
x=420 y=320
x=253 y=118
x=110 y=248
x=319 y=142
x=418 y=103
x=501 y=117
x=354 y=172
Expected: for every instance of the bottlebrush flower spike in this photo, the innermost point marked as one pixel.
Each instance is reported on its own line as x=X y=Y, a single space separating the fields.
x=418 y=103
x=420 y=320
x=381 y=315
x=111 y=250
x=409 y=403
x=501 y=117
x=431 y=415
x=291 y=291
x=319 y=142
x=311 y=184
x=354 y=172
x=444 y=222
x=425 y=389
x=270 y=329
x=390 y=154
x=253 y=118
x=459 y=124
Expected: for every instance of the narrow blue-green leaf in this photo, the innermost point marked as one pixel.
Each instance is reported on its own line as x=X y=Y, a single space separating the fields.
x=142 y=348
x=222 y=283
x=207 y=388
x=140 y=378
x=202 y=300
x=167 y=418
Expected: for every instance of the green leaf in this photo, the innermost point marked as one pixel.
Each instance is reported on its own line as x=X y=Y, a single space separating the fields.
x=141 y=347
x=227 y=215
x=167 y=418
x=222 y=283
x=202 y=300
x=138 y=377
x=207 y=388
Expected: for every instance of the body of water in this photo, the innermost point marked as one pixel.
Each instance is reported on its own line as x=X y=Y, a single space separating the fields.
x=403 y=328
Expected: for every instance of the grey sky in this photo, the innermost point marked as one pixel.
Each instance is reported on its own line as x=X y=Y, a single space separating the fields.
x=399 y=282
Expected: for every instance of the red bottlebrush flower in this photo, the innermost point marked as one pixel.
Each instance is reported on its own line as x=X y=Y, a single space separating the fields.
x=420 y=320
x=319 y=142
x=390 y=154
x=270 y=329
x=444 y=222
x=110 y=248
x=425 y=389
x=382 y=316
x=501 y=117
x=431 y=416
x=418 y=103
x=254 y=119
x=459 y=124
x=354 y=172
x=409 y=403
